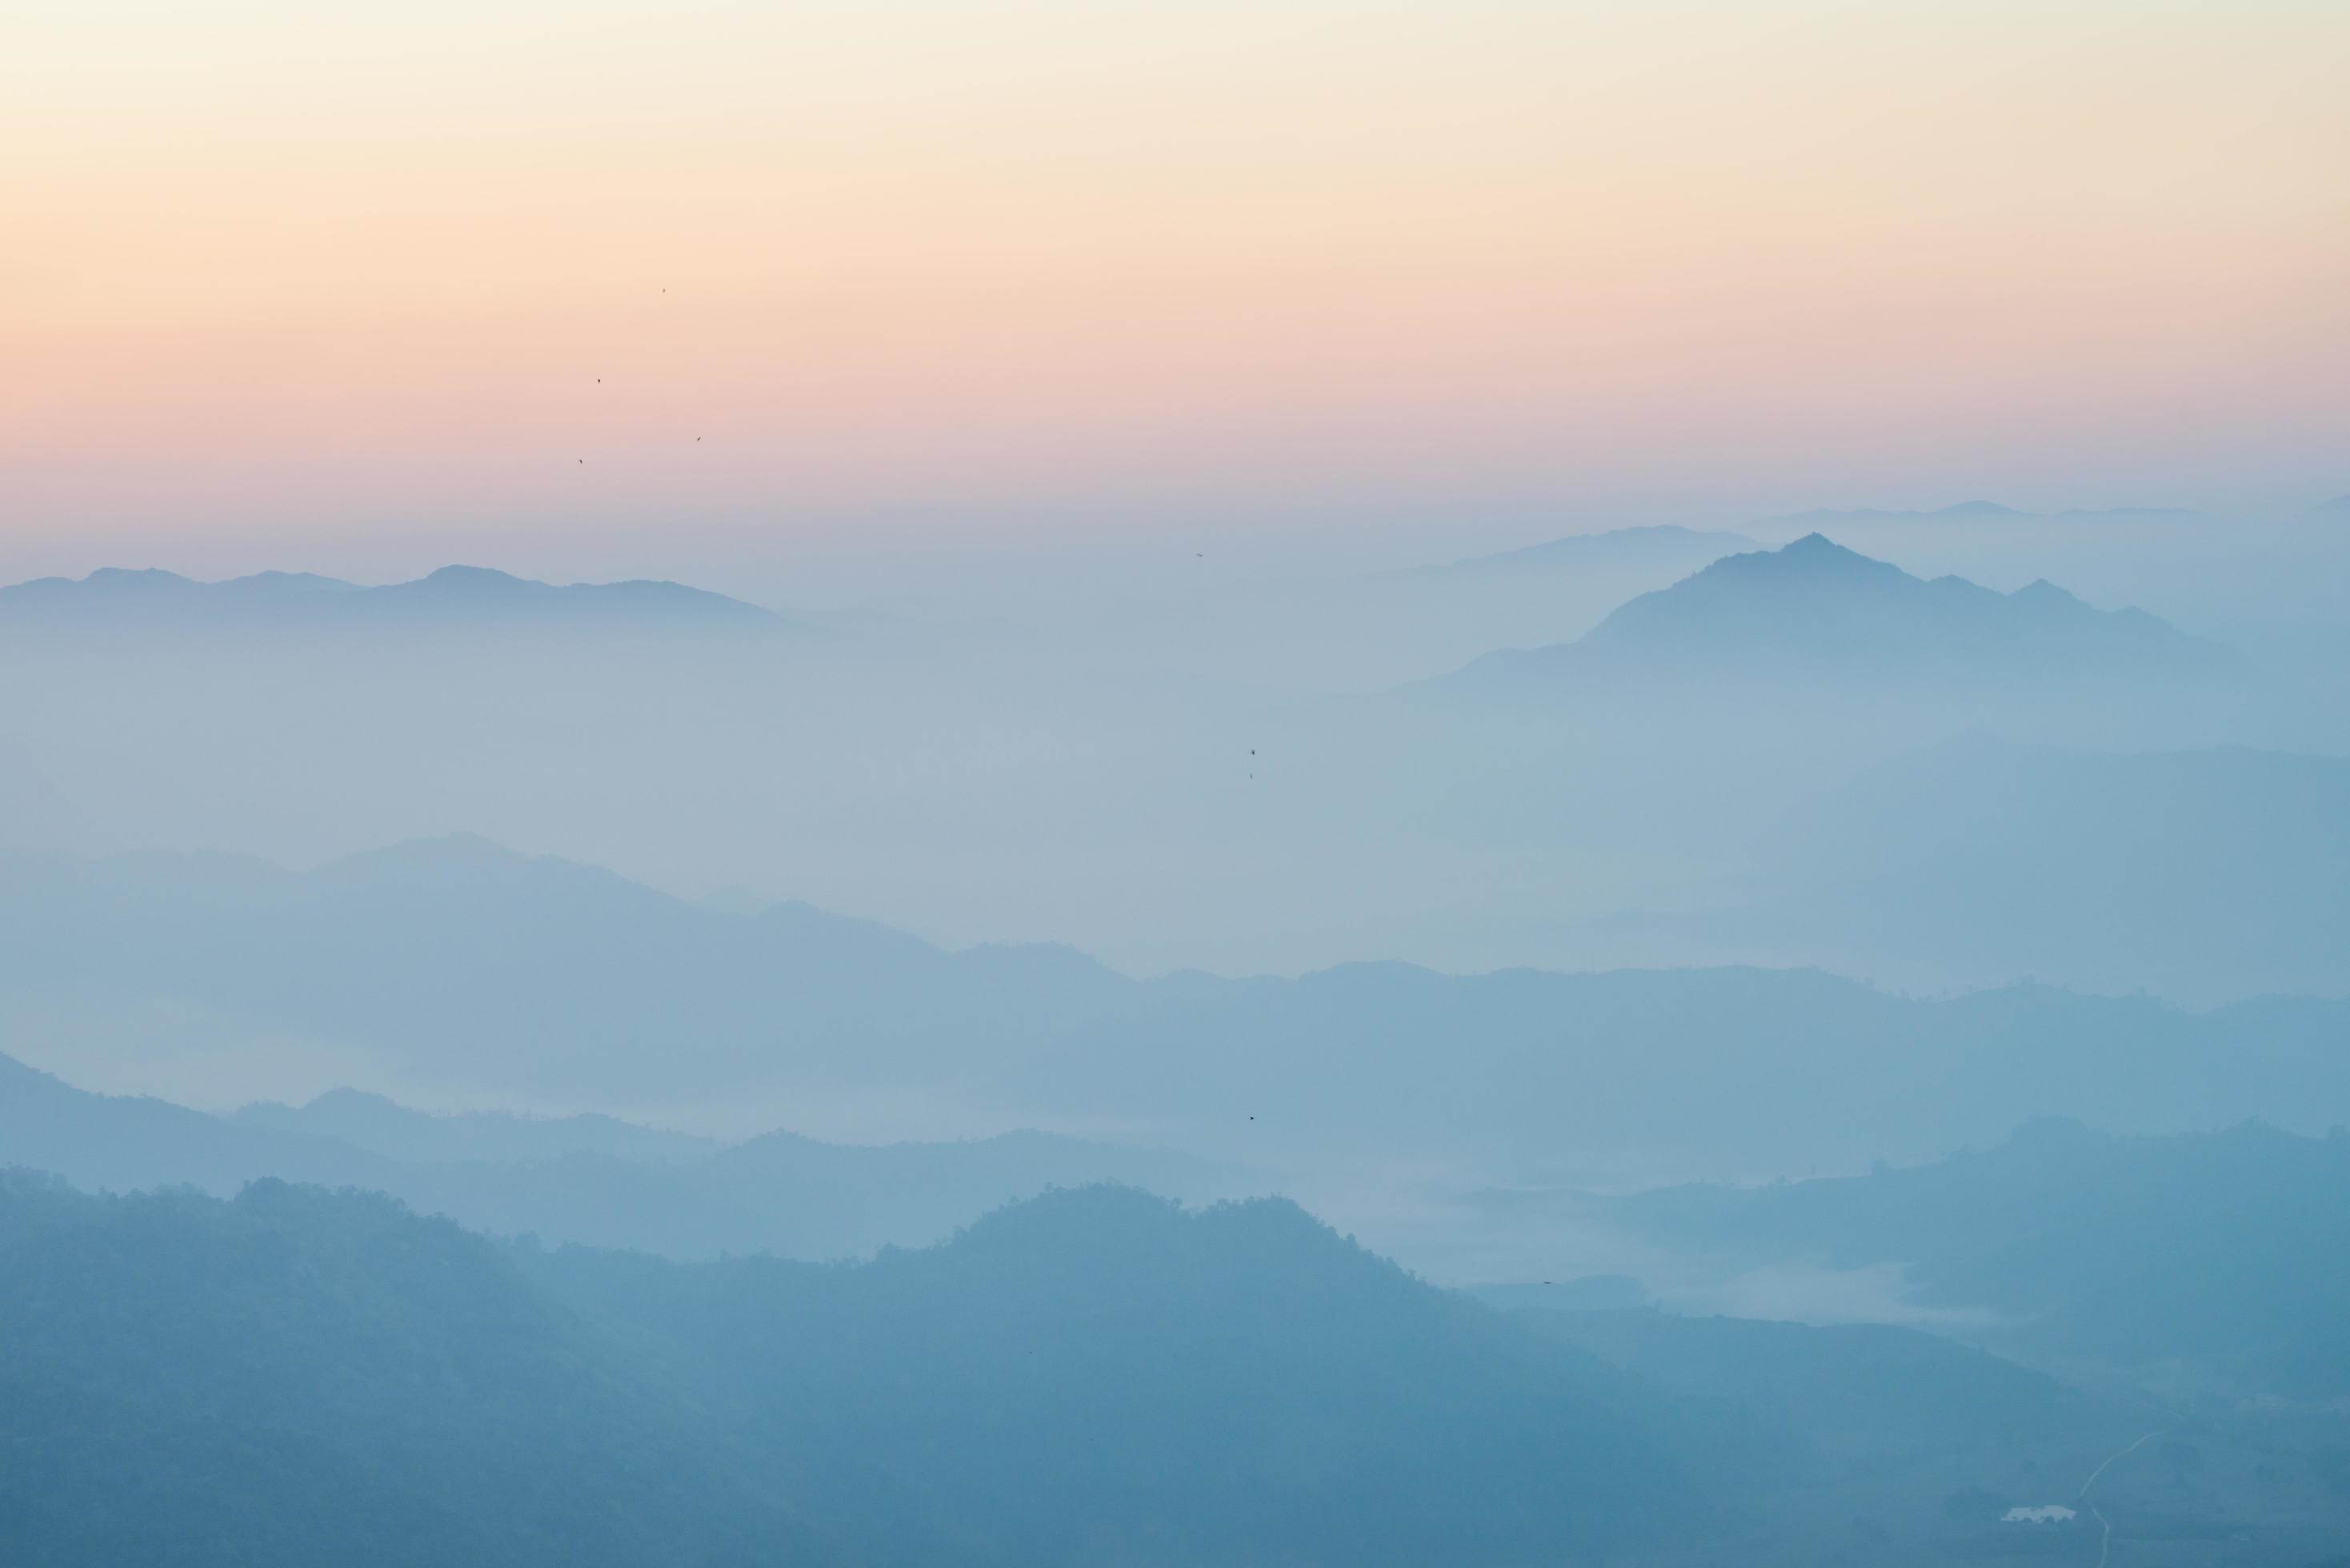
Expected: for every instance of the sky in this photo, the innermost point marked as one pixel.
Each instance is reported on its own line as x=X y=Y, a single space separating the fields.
x=346 y=287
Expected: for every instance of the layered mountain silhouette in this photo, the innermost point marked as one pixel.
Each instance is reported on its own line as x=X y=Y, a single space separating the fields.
x=1098 y=1376
x=296 y=1376
x=1815 y=610
x=384 y=1127
x=541 y=979
x=452 y=598
x=593 y=1180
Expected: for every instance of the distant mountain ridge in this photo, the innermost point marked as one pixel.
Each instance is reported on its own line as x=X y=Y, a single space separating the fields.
x=535 y=975
x=1816 y=608
x=593 y=1180
x=385 y=1127
x=452 y=597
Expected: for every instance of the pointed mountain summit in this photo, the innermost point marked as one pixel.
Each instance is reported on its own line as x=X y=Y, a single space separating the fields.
x=1817 y=610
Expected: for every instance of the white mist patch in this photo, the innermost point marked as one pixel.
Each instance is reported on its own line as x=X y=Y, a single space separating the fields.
x=1795 y=1292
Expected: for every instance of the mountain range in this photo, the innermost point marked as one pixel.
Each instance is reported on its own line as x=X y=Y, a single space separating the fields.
x=535 y=979
x=1816 y=611
x=592 y=1180
x=451 y=598
x=1093 y=1375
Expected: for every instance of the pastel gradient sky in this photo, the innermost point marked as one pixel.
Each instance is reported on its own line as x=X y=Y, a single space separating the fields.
x=292 y=274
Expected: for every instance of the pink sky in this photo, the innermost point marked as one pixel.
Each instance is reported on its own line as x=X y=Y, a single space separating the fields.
x=283 y=274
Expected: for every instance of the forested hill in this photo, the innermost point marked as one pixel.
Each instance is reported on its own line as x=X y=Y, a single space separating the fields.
x=296 y=1376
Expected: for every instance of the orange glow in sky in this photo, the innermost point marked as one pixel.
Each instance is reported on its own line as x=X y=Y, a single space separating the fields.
x=287 y=266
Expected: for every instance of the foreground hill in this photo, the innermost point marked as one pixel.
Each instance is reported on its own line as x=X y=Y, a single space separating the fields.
x=295 y=1377
x=1093 y=1376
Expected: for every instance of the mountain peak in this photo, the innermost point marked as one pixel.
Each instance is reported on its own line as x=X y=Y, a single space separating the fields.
x=1814 y=557
x=134 y=576
x=457 y=575
x=2039 y=590
x=1816 y=547
x=1817 y=607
